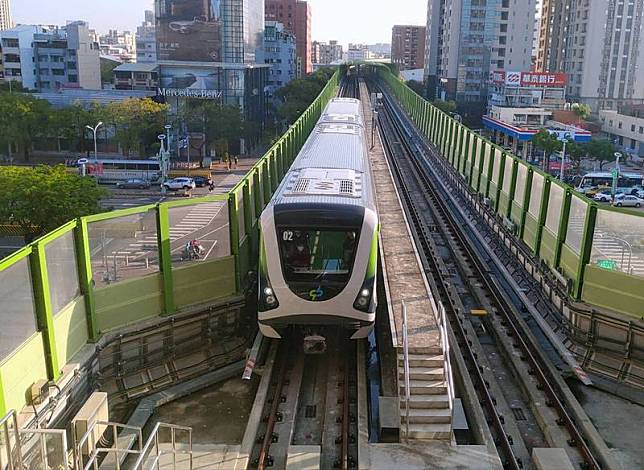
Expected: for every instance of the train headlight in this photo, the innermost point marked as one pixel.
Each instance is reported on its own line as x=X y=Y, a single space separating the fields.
x=269 y=297
x=363 y=301
x=270 y=300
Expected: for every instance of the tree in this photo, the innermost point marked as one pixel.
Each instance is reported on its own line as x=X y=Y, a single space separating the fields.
x=221 y=124
x=43 y=198
x=547 y=142
x=601 y=150
x=298 y=94
x=68 y=124
x=582 y=111
x=23 y=119
x=448 y=107
x=575 y=152
x=137 y=122
x=417 y=87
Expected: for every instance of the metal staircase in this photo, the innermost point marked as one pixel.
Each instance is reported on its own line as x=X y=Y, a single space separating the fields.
x=425 y=390
x=105 y=445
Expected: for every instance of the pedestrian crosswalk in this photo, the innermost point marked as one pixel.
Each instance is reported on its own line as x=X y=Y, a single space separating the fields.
x=143 y=249
x=609 y=246
x=619 y=251
x=200 y=216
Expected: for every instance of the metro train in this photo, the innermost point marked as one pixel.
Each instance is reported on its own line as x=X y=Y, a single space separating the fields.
x=319 y=235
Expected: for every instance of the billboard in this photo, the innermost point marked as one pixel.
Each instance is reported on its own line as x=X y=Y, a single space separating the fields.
x=189 y=30
x=528 y=79
x=192 y=82
x=547 y=79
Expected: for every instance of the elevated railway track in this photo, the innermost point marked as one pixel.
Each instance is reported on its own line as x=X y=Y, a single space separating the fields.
x=511 y=367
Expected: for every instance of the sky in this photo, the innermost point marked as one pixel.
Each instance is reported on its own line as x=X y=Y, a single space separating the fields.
x=361 y=21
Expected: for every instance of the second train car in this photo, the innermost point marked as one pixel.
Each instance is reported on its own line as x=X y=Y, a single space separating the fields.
x=319 y=234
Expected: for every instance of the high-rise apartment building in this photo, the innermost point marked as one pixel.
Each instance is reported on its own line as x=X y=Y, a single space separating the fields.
x=408 y=46
x=5 y=15
x=295 y=15
x=598 y=44
x=146 y=40
x=280 y=52
x=468 y=39
x=46 y=58
x=323 y=53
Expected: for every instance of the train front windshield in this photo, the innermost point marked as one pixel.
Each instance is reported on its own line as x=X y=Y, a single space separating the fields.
x=317 y=264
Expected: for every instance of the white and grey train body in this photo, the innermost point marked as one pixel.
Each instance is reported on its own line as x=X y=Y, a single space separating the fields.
x=319 y=234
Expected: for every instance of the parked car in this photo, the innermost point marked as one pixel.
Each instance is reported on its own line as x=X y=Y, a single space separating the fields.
x=636 y=190
x=200 y=181
x=180 y=183
x=135 y=183
x=605 y=196
x=628 y=201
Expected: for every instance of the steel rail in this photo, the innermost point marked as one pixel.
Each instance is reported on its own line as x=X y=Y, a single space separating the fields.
x=346 y=418
x=503 y=442
x=272 y=415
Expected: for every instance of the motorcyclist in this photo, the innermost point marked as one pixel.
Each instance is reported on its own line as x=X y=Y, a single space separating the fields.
x=194 y=249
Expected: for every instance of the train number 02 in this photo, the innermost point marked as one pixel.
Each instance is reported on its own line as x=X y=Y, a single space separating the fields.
x=287 y=236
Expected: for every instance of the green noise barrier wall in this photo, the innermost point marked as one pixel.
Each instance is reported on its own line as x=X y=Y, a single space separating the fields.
x=599 y=249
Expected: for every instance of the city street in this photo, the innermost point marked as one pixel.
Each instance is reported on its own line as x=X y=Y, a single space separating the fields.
x=126 y=247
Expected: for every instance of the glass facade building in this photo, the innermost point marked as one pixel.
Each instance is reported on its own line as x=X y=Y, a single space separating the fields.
x=209 y=49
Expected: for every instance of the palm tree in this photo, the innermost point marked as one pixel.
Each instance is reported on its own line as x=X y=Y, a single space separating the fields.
x=582 y=111
x=547 y=142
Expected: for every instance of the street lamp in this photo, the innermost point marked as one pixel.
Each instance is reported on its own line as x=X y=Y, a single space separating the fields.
x=162 y=161
x=167 y=128
x=94 y=130
x=615 y=175
x=563 y=155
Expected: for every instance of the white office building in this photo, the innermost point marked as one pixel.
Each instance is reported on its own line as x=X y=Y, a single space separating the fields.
x=47 y=58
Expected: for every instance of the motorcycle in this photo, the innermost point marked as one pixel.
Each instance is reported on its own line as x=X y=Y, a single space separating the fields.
x=192 y=251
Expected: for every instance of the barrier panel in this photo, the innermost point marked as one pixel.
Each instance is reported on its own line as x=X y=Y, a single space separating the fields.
x=18 y=312
x=517 y=209
x=102 y=272
x=599 y=250
x=123 y=245
x=507 y=186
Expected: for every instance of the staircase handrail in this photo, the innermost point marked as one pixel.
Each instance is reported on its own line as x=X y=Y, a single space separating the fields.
x=154 y=439
x=4 y=431
x=406 y=368
x=93 y=459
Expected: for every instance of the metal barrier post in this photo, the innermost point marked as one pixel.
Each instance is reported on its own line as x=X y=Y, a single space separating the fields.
x=585 y=248
x=44 y=312
x=165 y=257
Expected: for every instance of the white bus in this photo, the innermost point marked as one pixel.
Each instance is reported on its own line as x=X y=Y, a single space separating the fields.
x=625 y=181
x=113 y=171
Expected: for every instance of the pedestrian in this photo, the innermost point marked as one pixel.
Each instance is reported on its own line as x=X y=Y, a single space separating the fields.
x=236 y=160
x=211 y=184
